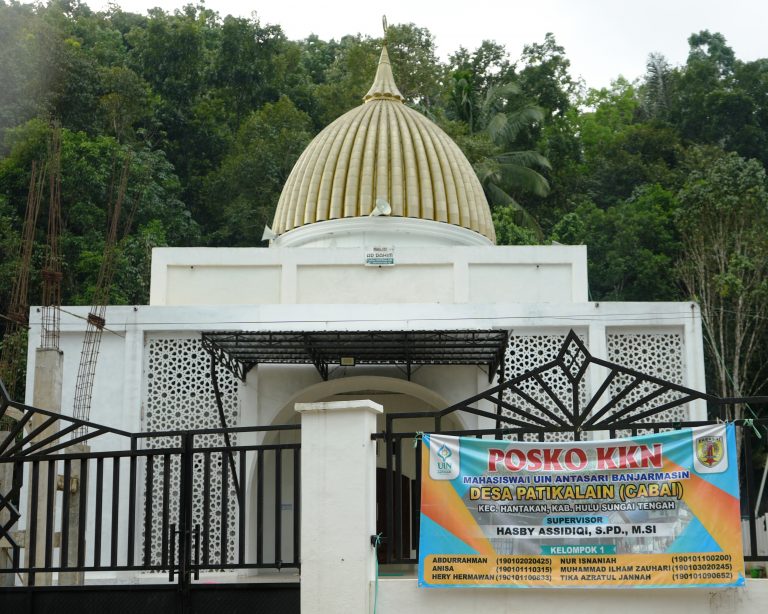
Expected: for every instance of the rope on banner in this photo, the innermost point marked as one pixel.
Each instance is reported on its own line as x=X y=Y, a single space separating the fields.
x=750 y=423
x=376 y=542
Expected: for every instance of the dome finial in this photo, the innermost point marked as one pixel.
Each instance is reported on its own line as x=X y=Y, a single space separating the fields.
x=384 y=86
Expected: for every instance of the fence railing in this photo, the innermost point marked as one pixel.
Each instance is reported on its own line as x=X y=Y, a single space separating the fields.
x=569 y=397
x=399 y=508
x=172 y=502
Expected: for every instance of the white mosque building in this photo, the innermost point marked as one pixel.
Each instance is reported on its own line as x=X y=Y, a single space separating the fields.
x=383 y=246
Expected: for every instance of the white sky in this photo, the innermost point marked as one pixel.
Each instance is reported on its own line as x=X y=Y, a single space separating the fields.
x=602 y=38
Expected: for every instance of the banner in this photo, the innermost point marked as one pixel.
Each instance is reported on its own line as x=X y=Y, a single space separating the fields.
x=652 y=511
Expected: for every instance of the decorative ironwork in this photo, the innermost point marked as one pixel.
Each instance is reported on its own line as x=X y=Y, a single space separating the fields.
x=529 y=406
x=32 y=423
x=125 y=491
x=529 y=403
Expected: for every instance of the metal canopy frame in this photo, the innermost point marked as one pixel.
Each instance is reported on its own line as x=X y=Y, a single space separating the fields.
x=240 y=351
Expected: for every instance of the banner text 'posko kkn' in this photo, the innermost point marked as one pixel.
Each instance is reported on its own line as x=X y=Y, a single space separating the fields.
x=652 y=511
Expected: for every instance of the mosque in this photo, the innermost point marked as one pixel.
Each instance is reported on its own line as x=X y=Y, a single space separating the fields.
x=382 y=283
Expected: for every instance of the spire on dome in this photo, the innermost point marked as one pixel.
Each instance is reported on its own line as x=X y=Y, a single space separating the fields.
x=384 y=83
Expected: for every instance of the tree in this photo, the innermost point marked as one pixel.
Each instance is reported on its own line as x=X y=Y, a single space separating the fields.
x=656 y=89
x=501 y=114
x=724 y=224
x=345 y=69
x=242 y=194
x=545 y=77
x=419 y=75
x=718 y=100
x=347 y=77
x=126 y=104
x=473 y=75
x=89 y=166
x=632 y=246
x=28 y=50
x=621 y=152
x=245 y=66
x=512 y=171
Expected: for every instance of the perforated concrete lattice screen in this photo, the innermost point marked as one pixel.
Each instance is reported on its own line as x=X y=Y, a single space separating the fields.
x=659 y=354
x=178 y=396
x=527 y=352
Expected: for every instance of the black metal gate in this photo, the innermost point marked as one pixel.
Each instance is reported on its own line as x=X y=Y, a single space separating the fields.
x=531 y=407
x=170 y=504
x=151 y=599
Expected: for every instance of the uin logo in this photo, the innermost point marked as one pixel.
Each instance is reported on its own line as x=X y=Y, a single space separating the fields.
x=709 y=450
x=443 y=466
x=444 y=456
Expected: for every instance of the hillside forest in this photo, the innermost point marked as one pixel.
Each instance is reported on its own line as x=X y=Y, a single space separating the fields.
x=663 y=177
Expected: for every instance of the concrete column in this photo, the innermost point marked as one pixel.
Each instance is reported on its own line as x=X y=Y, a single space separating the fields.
x=49 y=364
x=693 y=361
x=6 y=553
x=598 y=348
x=46 y=395
x=73 y=527
x=338 y=505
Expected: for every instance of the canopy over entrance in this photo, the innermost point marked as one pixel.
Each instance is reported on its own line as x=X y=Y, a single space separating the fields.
x=240 y=351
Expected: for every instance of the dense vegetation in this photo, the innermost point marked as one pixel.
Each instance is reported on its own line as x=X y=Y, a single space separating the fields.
x=663 y=178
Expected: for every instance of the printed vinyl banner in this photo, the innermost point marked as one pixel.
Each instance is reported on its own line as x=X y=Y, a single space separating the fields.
x=652 y=511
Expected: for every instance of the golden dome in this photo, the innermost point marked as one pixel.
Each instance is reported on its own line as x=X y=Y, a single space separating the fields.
x=383 y=149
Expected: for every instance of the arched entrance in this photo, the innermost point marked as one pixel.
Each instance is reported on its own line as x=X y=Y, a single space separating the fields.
x=395 y=396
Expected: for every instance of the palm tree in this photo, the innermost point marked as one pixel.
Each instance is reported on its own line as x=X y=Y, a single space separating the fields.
x=504 y=117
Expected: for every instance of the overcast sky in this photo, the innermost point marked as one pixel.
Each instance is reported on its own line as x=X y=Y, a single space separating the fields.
x=602 y=38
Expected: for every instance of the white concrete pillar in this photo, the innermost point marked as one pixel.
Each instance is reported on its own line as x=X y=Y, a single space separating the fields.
x=598 y=348
x=338 y=505
x=49 y=365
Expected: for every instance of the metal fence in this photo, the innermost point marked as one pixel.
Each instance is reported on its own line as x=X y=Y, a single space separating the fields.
x=171 y=503
x=530 y=407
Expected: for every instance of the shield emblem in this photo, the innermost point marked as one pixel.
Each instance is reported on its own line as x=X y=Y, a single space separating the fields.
x=709 y=450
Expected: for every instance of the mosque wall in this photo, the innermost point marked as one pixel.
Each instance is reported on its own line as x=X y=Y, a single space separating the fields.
x=153 y=374
x=439 y=274
x=663 y=339
x=403 y=595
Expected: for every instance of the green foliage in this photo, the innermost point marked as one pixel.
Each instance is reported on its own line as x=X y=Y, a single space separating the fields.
x=247 y=186
x=419 y=73
x=473 y=75
x=486 y=97
x=89 y=172
x=10 y=240
x=719 y=100
x=545 y=75
x=246 y=70
x=620 y=151
x=27 y=43
x=134 y=262
x=513 y=227
x=213 y=112
x=724 y=223
x=632 y=247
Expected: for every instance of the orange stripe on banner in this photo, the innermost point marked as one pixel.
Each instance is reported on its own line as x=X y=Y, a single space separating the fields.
x=443 y=505
x=717 y=511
